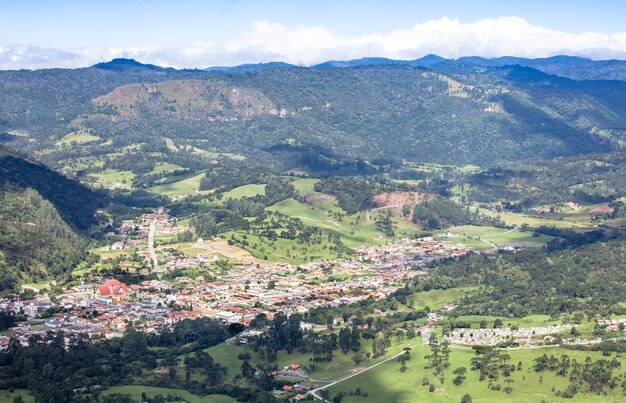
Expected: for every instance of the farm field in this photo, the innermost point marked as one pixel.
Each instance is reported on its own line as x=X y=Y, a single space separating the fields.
x=135 y=392
x=473 y=235
x=217 y=249
x=244 y=191
x=114 y=177
x=183 y=187
x=305 y=186
x=386 y=383
x=437 y=299
x=354 y=230
x=576 y=220
x=165 y=167
x=77 y=137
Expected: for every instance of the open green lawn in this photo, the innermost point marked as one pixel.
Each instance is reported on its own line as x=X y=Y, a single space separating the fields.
x=576 y=220
x=472 y=235
x=79 y=137
x=244 y=191
x=385 y=383
x=354 y=230
x=342 y=364
x=8 y=396
x=112 y=253
x=187 y=186
x=283 y=250
x=165 y=167
x=135 y=392
x=437 y=299
x=114 y=176
x=226 y=355
x=305 y=186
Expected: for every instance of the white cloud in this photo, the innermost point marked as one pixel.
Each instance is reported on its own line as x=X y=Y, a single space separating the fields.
x=306 y=45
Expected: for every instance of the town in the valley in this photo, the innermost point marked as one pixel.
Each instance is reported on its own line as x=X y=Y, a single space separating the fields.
x=103 y=307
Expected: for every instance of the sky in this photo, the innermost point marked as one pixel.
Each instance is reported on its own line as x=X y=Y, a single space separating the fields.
x=198 y=34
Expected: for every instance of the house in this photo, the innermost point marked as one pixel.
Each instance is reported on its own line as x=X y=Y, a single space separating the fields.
x=117 y=246
x=112 y=288
x=516 y=246
x=602 y=210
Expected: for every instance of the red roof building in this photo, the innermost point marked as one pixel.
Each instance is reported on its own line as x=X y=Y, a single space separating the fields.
x=603 y=210
x=112 y=288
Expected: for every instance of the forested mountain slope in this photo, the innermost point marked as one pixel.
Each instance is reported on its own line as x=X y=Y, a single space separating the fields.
x=284 y=114
x=41 y=215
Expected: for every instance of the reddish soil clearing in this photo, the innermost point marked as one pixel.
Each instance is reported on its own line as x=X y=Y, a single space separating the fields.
x=395 y=201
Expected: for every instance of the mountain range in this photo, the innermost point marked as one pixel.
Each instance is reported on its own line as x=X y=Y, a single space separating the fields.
x=471 y=110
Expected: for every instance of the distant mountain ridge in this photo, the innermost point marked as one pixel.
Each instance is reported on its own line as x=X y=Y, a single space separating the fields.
x=574 y=67
x=437 y=110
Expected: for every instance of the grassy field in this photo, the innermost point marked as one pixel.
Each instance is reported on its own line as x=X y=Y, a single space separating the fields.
x=473 y=235
x=244 y=191
x=385 y=383
x=78 y=138
x=354 y=230
x=165 y=167
x=135 y=392
x=305 y=186
x=576 y=220
x=342 y=364
x=187 y=186
x=283 y=250
x=9 y=396
x=112 y=177
x=110 y=254
x=437 y=299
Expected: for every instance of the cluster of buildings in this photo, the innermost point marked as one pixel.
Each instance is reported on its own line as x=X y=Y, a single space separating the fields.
x=530 y=336
x=105 y=307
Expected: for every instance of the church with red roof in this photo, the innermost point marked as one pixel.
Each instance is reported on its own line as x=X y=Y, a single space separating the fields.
x=112 y=288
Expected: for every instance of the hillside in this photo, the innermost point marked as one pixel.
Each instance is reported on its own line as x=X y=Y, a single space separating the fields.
x=317 y=118
x=42 y=214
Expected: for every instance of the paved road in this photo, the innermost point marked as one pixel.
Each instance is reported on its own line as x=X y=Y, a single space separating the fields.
x=314 y=391
x=153 y=256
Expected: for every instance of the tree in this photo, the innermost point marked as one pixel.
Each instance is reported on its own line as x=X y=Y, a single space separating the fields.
x=402 y=360
x=460 y=375
x=358 y=358
x=466 y=398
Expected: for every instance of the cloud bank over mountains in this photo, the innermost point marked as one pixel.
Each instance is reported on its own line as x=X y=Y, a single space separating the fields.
x=306 y=45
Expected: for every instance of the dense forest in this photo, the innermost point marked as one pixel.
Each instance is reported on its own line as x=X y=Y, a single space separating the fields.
x=590 y=278
x=292 y=116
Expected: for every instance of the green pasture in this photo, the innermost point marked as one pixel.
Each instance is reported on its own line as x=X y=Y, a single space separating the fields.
x=184 y=187
x=386 y=383
x=244 y=191
x=135 y=392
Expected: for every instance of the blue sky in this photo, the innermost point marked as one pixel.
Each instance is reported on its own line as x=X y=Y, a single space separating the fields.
x=193 y=33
